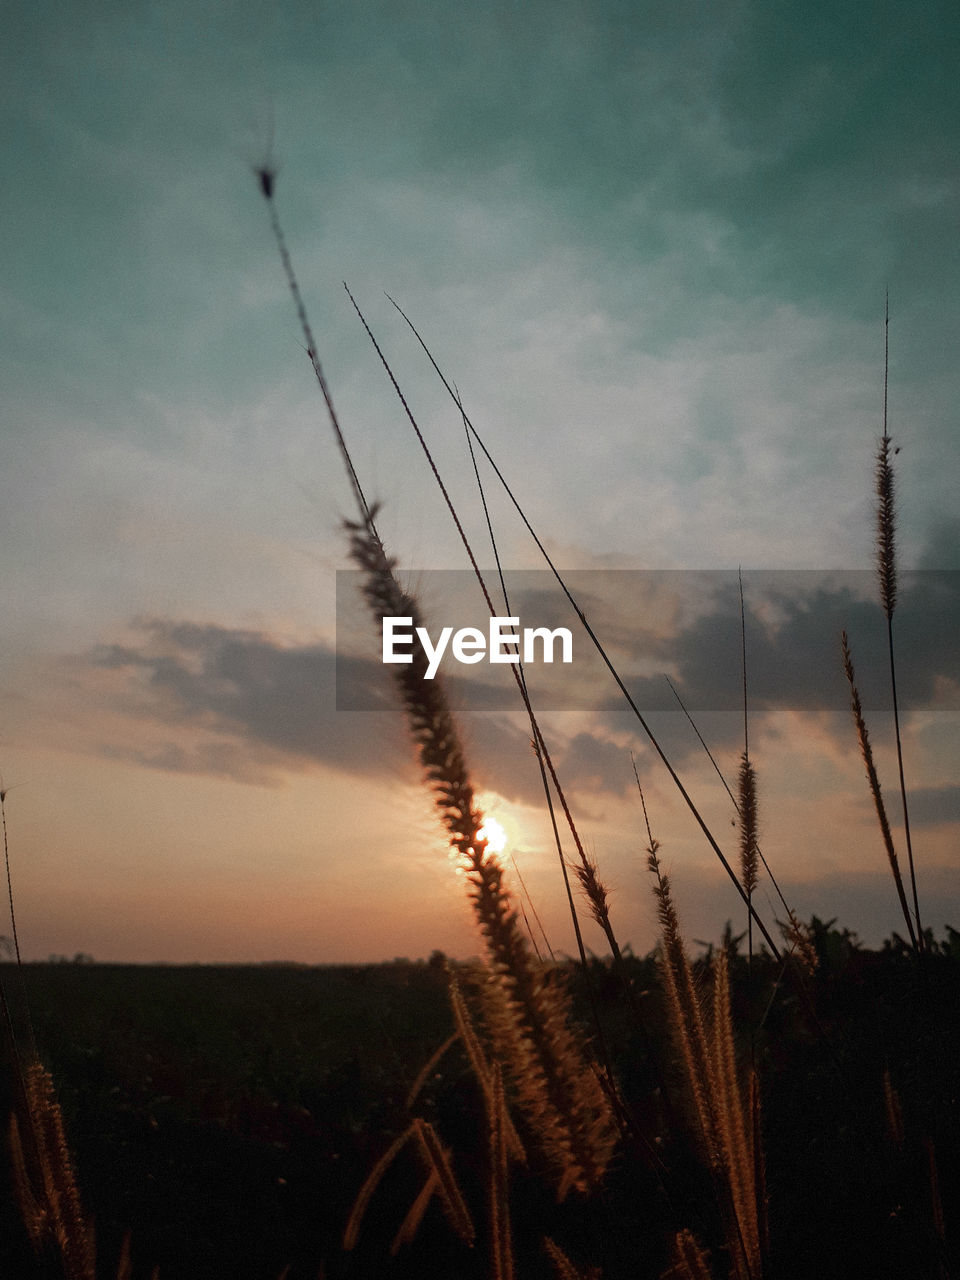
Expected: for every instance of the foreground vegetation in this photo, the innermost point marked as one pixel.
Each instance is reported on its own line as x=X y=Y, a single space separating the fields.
x=782 y=1107
x=227 y=1118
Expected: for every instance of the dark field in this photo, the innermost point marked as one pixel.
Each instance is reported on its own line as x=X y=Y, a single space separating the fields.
x=226 y=1117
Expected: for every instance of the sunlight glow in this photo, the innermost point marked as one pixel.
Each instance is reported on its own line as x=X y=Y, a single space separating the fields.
x=492 y=831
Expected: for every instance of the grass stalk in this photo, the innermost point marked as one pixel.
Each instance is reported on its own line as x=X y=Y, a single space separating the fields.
x=736 y=1123
x=689 y=1261
x=588 y=876
x=437 y=1160
x=482 y=1069
x=887 y=573
x=46 y=1184
x=747 y=790
x=563 y=1267
x=501 y=1243
x=557 y=1088
x=726 y=786
x=604 y=656
x=686 y=1015
x=873 y=780
x=747 y=807
x=410 y=1225
x=351 y=1232
x=710 y=1074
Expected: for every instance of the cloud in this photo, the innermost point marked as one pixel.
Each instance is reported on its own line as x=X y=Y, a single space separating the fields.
x=867 y=902
x=687 y=625
x=931 y=806
x=942 y=550
x=240 y=704
x=283 y=704
x=259 y=705
x=236 y=703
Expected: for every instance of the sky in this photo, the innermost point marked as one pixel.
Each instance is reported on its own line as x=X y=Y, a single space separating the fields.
x=650 y=243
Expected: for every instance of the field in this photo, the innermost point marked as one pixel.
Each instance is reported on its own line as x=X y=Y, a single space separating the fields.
x=658 y=280
x=227 y=1117
x=786 y=1109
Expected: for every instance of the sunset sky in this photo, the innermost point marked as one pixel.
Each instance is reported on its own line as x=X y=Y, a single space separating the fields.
x=650 y=243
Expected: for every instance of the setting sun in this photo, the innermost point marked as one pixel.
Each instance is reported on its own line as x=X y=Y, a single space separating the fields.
x=496 y=837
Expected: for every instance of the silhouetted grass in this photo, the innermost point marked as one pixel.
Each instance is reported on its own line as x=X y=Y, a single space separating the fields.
x=780 y=1114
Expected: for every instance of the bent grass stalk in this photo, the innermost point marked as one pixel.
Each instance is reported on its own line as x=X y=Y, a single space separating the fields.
x=440 y=1180
x=266 y=182
x=408 y=1229
x=557 y=1088
x=587 y=874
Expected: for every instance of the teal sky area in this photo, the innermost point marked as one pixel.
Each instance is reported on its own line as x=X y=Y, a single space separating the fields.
x=651 y=243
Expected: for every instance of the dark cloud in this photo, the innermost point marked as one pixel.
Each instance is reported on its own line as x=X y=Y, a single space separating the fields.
x=687 y=624
x=501 y=757
x=866 y=901
x=597 y=764
x=236 y=703
x=796 y=661
x=268 y=705
x=942 y=550
x=243 y=705
x=793 y=628
x=931 y=806
x=264 y=705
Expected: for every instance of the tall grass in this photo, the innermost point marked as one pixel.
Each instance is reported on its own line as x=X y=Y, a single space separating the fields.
x=887 y=570
x=722 y=1091
x=572 y=1106
x=561 y=1119
x=44 y=1178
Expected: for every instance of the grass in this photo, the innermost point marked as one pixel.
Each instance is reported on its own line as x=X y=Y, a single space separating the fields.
x=232 y=1114
x=788 y=1112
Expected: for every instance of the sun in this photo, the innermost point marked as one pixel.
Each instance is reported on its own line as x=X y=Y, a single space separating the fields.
x=492 y=831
